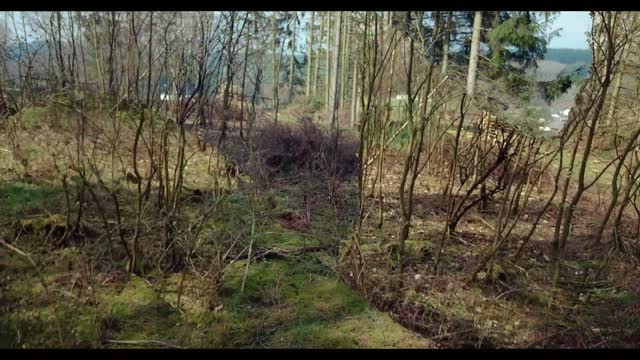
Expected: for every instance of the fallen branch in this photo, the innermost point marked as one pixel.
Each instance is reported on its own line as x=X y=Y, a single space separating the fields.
x=282 y=253
x=136 y=342
x=28 y=257
x=484 y=222
x=448 y=335
x=535 y=342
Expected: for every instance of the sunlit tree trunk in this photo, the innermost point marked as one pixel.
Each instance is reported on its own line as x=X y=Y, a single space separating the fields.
x=316 y=72
x=354 y=88
x=344 y=60
x=274 y=51
x=473 y=57
x=445 y=45
x=310 y=54
x=327 y=75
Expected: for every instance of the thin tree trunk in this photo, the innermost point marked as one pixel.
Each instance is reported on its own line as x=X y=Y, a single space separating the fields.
x=244 y=77
x=336 y=71
x=150 y=59
x=613 y=105
x=316 y=73
x=274 y=81
x=383 y=131
x=229 y=47
x=292 y=61
x=473 y=58
x=310 y=54
x=354 y=92
x=344 y=61
x=445 y=45
x=327 y=88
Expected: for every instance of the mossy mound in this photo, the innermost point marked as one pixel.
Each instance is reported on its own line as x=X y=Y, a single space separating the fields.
x=54 y=225
x=62 y=324
x=68 y=259
x=370 y=329
x=138 y=312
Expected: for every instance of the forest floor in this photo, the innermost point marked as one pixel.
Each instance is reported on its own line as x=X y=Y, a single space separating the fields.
x=515 y=306
x=76 y=297
x=296 y=298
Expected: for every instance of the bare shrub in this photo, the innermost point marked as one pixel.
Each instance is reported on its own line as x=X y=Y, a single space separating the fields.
x=287 y=148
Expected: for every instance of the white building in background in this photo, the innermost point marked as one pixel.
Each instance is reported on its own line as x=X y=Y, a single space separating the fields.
x=172 y=97
x=566 y=112
x=555 y=116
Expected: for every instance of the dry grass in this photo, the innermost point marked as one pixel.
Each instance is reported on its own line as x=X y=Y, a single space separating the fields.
x=513 y=306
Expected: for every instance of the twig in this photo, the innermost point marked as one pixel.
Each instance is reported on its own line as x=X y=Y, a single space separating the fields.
x=507 y=292
x=463 y=241
x=135 y=342
x=20 y=252
x=451 y=334
x=276 y=253
x=544 y=338
x=519 y=268
x=485 y=222
x=253 y=237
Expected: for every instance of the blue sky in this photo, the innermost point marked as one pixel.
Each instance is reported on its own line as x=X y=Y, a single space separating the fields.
x=574 y=24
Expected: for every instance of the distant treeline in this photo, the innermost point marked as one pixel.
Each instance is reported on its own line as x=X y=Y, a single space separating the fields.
x=569 y=56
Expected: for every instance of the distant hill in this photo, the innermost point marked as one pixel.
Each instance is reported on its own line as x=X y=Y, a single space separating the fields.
x=15 y=51
x=559 y=62
x=548 y=70
x=569 y=56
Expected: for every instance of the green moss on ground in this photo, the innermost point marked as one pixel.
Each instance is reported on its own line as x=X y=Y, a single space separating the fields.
x=139 y=313
x=292 y=302
x=62 y=324
x=281 y=237
x=290 y=297
x=20 y=196
x=285 y=296
x=365 y=330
